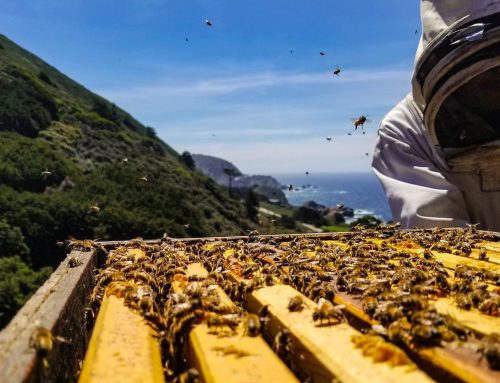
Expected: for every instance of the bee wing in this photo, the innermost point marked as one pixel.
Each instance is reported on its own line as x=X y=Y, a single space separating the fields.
x=321 y=301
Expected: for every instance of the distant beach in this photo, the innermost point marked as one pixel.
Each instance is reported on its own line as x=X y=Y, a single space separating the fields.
x=360 y=191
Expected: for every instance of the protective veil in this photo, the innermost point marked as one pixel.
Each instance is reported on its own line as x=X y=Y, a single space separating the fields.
x=438 y=151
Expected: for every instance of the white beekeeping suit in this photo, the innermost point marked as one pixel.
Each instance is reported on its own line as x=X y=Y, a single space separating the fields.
x=438 y=151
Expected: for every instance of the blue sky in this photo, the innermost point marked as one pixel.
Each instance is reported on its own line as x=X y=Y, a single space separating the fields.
x=253 y=88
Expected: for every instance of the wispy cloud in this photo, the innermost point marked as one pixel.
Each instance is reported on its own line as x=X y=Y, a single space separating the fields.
x=268 y=121
x=237 y=82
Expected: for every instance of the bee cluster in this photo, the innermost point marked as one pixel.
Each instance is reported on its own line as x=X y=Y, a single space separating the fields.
x=394 y=287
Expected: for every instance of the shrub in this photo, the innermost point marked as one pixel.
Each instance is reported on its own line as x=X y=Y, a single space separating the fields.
x=17 y=283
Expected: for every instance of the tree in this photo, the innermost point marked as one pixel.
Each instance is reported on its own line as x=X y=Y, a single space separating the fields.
x=17 y=283
x=12 y=241
x=367 y=221
x=187 y=160
x=151 y=132
x=252 y=205
x=231 y=173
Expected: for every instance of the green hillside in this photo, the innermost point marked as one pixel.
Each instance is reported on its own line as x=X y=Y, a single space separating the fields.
x=93 y=154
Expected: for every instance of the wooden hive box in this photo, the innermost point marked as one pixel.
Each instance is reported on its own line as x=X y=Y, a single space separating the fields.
x=125 y=347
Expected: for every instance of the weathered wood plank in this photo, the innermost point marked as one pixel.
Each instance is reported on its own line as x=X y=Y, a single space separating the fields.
x=57 y=306
x=324 y=353
x=122 y=347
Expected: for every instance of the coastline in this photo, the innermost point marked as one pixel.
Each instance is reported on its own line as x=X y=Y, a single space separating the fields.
x=360 y=191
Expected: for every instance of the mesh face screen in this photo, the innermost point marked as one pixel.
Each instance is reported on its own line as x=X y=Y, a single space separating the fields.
x=471 y=115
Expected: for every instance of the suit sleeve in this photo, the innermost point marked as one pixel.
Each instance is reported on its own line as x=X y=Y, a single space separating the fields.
x=408 y=168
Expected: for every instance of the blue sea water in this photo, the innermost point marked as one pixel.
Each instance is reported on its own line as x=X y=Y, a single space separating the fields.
x=360 y=191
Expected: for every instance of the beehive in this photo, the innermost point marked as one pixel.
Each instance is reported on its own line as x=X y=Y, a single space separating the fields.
x=180 y=309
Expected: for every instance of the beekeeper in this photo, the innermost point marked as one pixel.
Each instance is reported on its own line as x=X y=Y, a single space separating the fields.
x=438 y=151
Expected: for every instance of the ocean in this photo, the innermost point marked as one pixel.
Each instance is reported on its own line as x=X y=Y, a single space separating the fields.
x=359 y=191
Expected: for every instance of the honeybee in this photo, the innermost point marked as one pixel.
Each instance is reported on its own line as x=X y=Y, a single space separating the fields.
x=336 y=72
x=375 y=347
x=208 y=22
x=252 y=325
x=360 y=121
x=144 y=178
x=46 y=173
x=229 y=320
x=369 y=304
x=74 y=261
x=490 y=349
x=425 y=335
x=42 y=340
x=397 y=332
x=482 y=255
x=490 y=306
x=231 y=350
x=94 y=209
x=327 y=310
x=120 y=289
x=464 y=301
x=190 y=376
x=296 y=303
x=85 y=244
x=282 y=344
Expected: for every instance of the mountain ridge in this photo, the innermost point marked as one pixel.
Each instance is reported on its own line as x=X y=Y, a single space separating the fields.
x=217 y=168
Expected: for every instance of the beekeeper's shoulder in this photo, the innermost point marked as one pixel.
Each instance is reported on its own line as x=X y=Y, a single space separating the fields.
x=404 y=120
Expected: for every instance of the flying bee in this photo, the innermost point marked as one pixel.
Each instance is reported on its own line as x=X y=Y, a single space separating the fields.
x=252 y=325
x=94 y=209
x=208 y=22
x=327 y=310
x=46 y=173
x=296 y=303
x=322 y=53
x=336 y=72
x=490 y=349
x=360 y=121
x=42 y=340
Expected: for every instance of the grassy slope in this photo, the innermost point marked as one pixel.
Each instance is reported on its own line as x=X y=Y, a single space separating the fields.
x=49 y=122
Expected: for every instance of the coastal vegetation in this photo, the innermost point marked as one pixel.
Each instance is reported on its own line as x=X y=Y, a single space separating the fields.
x=73 y=165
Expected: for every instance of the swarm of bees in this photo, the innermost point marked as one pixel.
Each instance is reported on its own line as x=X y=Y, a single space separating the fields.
x=393 y=286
